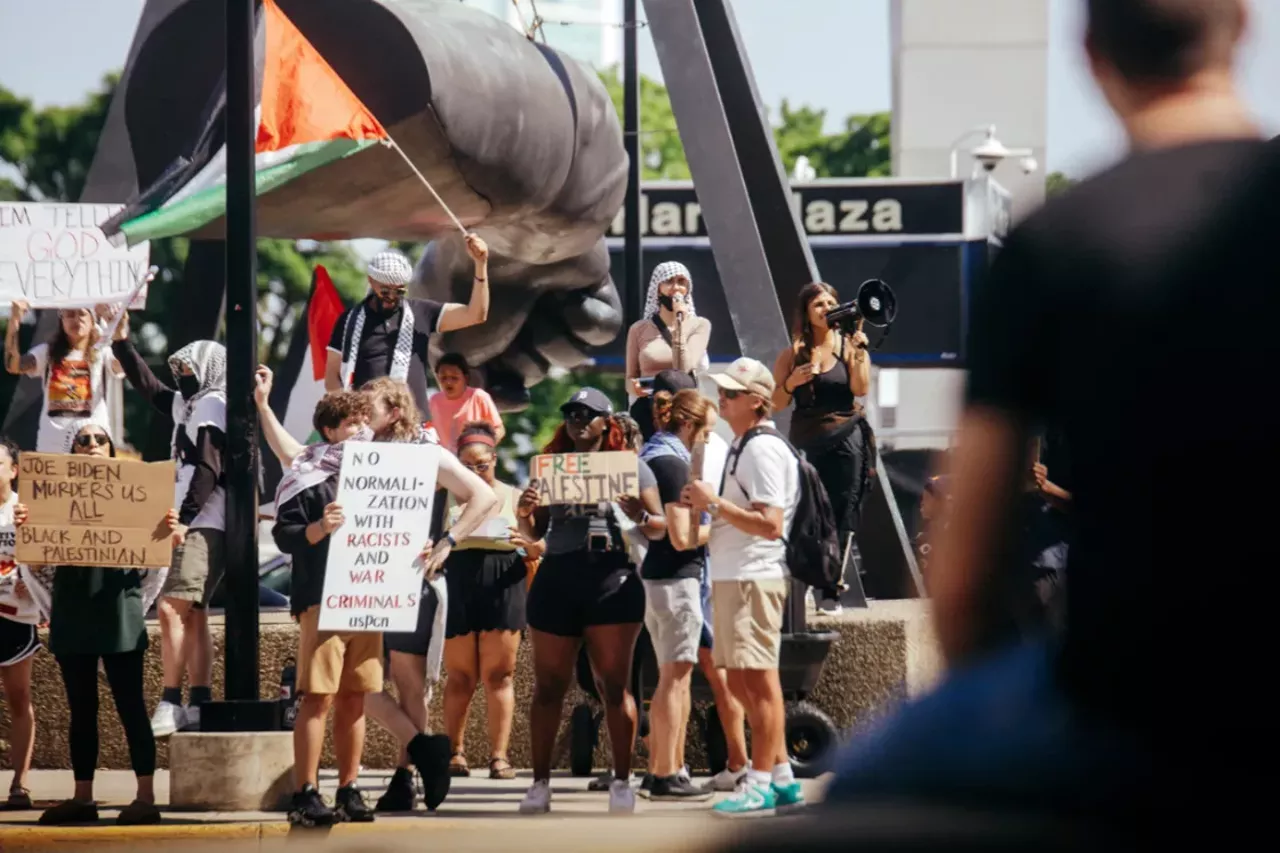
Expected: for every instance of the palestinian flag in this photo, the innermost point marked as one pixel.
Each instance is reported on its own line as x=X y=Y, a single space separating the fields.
x=307 y=118
x=299 y=383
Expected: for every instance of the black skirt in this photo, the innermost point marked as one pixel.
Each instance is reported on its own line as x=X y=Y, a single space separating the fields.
x=487 y=592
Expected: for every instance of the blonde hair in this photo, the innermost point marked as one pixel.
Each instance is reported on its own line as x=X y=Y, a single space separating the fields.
x=672 y=411
x=396 y=395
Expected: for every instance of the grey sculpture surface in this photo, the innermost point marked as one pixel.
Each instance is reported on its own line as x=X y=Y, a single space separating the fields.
x=522 y=143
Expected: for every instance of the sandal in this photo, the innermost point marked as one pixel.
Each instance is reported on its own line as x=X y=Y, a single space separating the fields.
x=19 y=799
x=500 y=768
x=458 y=766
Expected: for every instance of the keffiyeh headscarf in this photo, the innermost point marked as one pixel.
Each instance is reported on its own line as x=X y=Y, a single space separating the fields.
x=666 y=271
x=315 y=464
x=394 y=269
x=208 y=363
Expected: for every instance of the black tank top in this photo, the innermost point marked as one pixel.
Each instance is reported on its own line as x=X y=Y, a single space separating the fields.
x=824 y=407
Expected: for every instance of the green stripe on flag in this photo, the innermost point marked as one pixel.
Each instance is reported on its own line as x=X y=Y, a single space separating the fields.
x=207 y=205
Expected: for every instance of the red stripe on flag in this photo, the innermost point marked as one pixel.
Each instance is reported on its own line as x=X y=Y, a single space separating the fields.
x=323 y=312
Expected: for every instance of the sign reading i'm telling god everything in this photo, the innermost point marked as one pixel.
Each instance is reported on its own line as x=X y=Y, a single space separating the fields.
x=373 y=577
x=583 y=478
x=90 y=511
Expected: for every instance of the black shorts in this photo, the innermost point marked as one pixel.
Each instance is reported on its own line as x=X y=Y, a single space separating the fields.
x=575 y=591
x=18 y=641
x=418 y=641
x=487 y=592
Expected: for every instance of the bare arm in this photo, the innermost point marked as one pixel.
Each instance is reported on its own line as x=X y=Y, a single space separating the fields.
x=455 y=316
x=475 y=496
x=986 y=473
x=284 y=446
x=859 y=364
x=680 y=528
x=14 y=361
x=781 y=373
x=332 y=370
x=755 y=520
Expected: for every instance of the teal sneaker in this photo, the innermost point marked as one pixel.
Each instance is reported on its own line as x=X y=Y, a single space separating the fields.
x=788 y=797
x=750 y=799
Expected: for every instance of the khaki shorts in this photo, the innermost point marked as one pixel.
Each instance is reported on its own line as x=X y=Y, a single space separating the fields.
x=197 y=567
x=747 y=621
x=331 y=663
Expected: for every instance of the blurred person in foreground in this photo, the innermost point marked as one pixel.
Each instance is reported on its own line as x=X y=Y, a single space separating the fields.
x=1087 y=325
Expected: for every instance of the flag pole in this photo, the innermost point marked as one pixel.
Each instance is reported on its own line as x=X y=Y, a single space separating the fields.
x=456 y=221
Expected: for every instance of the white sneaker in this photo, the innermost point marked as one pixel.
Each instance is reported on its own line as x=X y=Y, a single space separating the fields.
x=830 y=606
x=622 y=797
x=537 y=800
x=191 y=715
x=167 y=719
x=726 y=780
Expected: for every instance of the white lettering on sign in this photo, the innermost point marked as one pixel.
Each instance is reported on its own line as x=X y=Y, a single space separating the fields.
x=56 y=256
x=817 y=215
x=373 y=578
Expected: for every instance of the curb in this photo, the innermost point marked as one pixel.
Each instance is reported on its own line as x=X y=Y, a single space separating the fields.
x=14 y=838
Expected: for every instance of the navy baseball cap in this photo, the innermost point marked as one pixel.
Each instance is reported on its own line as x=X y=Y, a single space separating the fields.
x=673 y=381
x=589 y=398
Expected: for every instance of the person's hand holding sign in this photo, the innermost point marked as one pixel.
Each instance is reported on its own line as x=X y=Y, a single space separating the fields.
x=332 y=519
x=178 y=531
x=20 y=514
x=529 y=500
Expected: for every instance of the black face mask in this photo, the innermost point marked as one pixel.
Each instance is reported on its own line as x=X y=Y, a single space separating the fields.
x=189 y=386
x=668 y=302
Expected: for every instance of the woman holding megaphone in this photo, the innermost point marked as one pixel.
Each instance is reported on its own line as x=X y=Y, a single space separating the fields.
x=822 y=372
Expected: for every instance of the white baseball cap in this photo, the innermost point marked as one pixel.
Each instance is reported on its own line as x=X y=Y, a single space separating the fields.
x=746 y=374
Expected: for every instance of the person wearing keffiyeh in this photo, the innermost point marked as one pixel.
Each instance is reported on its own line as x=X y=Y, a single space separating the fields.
x=197 y=405
x=388 y=333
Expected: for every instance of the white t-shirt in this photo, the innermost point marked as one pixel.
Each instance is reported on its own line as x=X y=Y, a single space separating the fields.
x=210 y=410
x=74 y=389
x=713 y=459
x=768 y=474
x=27 y=612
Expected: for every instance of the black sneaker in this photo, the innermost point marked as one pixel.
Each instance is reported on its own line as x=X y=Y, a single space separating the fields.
x=69 y=812
x=401 y=793
x=308 y=809
x=431 y=754
x=349 y=805
x=138 y=813
x=646 y=785
x=677 y=788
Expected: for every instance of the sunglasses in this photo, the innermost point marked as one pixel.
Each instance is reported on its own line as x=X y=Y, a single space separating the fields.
x=580 y=415
x=478 y=467
x=95 y=439
x=730 y=394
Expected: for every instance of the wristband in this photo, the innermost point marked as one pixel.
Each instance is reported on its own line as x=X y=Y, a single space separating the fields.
x=448 y=537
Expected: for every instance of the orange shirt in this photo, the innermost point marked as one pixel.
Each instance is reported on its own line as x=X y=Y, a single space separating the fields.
x=450 y=416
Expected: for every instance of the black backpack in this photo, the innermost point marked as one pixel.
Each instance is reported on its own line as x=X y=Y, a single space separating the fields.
x=813 y=543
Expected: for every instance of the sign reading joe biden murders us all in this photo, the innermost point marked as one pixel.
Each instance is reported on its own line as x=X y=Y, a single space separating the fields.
x=55 y=256
x=87 y=511
x=373 y=579
x=583 y=478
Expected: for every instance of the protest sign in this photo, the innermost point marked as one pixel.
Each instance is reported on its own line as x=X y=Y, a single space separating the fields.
x=54 y=255
x=89 y=511
x=583 y=478
x=373 y=578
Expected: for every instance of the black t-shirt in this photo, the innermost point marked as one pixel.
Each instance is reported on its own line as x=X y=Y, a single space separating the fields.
x=1119 y=314
x=290 y=534
x=662 y=561
x=378 y=343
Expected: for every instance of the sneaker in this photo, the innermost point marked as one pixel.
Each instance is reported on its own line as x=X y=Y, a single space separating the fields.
x=677 y=789
x=70 y=812
x=750 y=800
x=788 y=797
x=192 y=717
x=401 y=793
x=646 y=785
x=349 y=805
x=430 y=754
x=622 y=799
x=138 y=813
x=726 y=780
x=601 y=782
x=831 y=606
x=684 y=774
x=308 y=809
x=19 y=799
x=167 y=719
x=537 y=800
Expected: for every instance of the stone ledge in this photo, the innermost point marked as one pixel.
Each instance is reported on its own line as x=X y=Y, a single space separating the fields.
x=883 y=654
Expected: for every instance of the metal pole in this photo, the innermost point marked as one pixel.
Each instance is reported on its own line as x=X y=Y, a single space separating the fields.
x=242 y=357
x=633 y=259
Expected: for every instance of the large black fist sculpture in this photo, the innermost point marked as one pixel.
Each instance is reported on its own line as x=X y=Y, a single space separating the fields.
x=521 y=142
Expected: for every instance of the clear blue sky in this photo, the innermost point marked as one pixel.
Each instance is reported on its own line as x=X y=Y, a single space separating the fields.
x=830 y=54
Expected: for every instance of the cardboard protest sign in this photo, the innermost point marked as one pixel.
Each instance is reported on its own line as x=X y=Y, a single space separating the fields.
x=583 y=478
x=373 y=578
x=54 y=255
x=87 y=511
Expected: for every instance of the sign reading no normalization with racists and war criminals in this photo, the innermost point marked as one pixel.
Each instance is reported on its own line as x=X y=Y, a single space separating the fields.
x=54 y=255
x=373 y=578
x=87 y=511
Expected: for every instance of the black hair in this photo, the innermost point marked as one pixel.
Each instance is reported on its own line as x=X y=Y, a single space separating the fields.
x=1164 y=41
x=454 y=359
x=474 y=428
x=11 y=447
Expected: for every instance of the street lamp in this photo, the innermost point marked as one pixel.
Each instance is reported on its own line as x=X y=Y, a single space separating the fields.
x=991 y=152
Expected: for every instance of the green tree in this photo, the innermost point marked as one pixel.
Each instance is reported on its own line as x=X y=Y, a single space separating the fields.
x=1056 y=182
x=50 y=151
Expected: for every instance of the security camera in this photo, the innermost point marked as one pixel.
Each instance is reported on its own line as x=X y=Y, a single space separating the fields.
x=1029 y=165
x=990 y=154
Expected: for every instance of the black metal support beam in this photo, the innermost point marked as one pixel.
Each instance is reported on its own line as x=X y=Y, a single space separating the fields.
x=633 y=261
x=242 y=356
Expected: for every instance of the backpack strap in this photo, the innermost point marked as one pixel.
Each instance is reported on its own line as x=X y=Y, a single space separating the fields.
x=656 y=319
